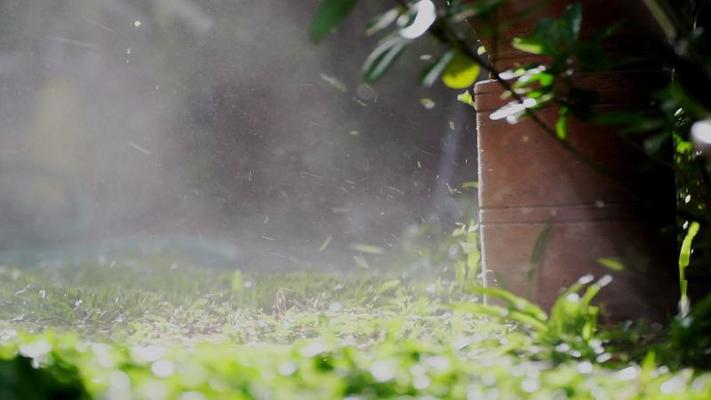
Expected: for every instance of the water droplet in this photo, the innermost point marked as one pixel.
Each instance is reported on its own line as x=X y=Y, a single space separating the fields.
x=162 y=368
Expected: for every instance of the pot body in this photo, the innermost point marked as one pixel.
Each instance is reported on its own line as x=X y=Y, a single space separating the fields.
x=530 y=184
x=518 y=18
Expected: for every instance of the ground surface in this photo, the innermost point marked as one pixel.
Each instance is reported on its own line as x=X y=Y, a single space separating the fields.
x=149 y=329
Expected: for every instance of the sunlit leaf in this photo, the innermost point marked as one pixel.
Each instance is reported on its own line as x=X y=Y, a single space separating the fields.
x=512 y=301
x=504 y=314
x=426 y=15
x=528 y=45
x=466 y=98
x=684 y=260
x=461 y=72
x=611 y=263
x=513 y=109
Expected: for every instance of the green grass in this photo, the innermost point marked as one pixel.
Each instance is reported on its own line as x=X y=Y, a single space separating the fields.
x=151 y=329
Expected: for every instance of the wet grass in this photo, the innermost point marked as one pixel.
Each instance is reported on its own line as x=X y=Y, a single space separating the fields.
x=152 y=329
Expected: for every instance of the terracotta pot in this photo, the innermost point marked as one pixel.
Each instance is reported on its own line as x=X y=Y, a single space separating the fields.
x=529 y=184
x=516 y=19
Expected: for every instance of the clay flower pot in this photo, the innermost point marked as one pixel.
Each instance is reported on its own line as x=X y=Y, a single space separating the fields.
x=534 y=193
x=517 y=18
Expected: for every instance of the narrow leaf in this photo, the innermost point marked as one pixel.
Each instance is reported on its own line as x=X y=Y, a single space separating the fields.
x=382 y=21
x=561 y=125
x=611 y=263
x=512 y=301
x=434 y=70
x=380 y=60
x=528 y=45
x=684 y=260
x=537 y=256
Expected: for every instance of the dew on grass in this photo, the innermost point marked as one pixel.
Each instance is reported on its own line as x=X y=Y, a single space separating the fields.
x=288 y=368
x=383 y=371
x=628 y=374
x=673 y=385
x=162 y=368
x=530 y=385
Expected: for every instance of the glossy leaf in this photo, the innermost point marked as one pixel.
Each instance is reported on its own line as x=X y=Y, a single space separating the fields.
x=461 y=73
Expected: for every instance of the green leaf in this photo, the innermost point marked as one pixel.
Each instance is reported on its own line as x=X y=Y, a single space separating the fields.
x=611 y=263
x=329 y=14
x=380 y=60
x=466 y=98
x=461 y=72
x=434 y=70
x=512 y=301
x=528 y=45
x=503 y=314
x=561 y=125
x=684 y=260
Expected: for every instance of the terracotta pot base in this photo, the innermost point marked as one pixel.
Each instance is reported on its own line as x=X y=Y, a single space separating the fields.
x=572 y=250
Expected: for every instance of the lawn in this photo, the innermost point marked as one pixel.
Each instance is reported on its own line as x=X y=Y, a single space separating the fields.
x=147 y=328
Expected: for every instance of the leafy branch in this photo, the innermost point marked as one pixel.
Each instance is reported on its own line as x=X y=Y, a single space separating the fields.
x=460 y=64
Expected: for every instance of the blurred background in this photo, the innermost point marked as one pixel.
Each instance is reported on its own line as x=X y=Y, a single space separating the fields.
x=216 y=128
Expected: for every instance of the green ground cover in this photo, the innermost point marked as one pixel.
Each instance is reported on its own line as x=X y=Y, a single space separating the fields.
x=149 y=329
